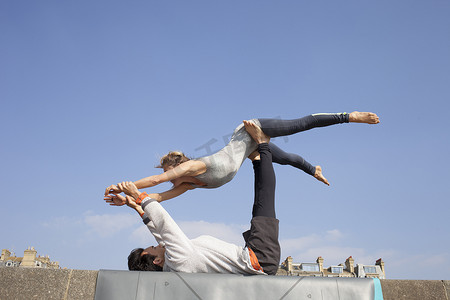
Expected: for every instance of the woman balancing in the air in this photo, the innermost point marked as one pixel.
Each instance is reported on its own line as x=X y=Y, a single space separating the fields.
x=219 y=168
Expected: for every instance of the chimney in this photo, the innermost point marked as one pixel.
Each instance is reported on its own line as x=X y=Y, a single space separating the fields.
x=350 y=264
x=320 y=262
x=5 y=254
x=380 y=263
x=289 y=263
x=29 y=258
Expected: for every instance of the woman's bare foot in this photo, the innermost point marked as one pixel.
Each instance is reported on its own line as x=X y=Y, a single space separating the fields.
x=254 y=156
x=363 y=117
x=319 y=176
x=256 y=133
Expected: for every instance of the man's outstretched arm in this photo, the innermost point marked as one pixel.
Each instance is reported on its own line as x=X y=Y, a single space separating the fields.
x=178 y=246
x=119 y=200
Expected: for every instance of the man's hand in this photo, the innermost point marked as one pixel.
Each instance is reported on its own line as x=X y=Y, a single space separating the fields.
x=112 y=189
x=115 y=200
x=131 y=202
x=129 y=188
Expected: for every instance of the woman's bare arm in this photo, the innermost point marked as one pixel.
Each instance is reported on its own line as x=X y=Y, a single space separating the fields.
x=189 y=168
x=172 y=193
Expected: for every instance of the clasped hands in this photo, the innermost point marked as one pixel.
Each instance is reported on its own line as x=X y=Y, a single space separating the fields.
x=113 y=196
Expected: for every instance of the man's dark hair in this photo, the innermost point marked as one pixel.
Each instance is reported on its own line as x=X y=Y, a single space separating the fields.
x=139 y=262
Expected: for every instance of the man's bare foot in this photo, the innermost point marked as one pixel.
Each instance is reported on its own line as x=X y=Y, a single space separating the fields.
x=319 y=176
x=256 y=133
x=363 y=117
x=254 y=156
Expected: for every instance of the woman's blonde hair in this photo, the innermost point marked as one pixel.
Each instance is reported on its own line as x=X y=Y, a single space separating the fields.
x=173 y=159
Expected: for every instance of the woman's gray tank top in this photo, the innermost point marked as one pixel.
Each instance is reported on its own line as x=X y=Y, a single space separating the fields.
x=223 y=165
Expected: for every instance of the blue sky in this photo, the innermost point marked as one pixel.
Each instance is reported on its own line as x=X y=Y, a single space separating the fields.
x=94 y=92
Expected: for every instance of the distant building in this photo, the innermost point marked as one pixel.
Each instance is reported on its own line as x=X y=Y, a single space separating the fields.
x=289 y=268
x=29 y=259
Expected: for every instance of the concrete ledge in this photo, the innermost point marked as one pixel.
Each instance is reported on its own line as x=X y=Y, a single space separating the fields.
x=36 y=283
x=415 y=289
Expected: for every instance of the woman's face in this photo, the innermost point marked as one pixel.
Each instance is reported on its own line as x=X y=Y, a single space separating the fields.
x=177 y=181
x=167 y=168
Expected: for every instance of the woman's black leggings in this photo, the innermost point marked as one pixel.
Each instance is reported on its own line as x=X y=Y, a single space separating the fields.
x=295 y=160
x=276 y=127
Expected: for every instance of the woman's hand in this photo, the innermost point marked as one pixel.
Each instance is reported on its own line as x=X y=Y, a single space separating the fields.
x=115 y=200
x=112 y=189
x=129 y=188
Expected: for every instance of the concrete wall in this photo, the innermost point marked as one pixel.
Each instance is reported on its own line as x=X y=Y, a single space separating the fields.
x=415 y=289
x=35 y=283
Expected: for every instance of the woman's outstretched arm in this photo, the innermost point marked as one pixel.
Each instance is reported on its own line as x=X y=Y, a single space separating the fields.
x=119 y=200
x=189 y=168
x=172 y=193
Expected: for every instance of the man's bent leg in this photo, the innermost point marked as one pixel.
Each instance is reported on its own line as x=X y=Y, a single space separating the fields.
x=262 y=237
x=264 y=203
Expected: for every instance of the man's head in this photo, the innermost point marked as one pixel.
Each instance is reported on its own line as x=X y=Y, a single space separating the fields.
x=148 y=259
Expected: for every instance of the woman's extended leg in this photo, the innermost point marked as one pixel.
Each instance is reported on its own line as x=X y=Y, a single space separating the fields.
x=283 y=158
x=295 y=160
x=276 y=127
